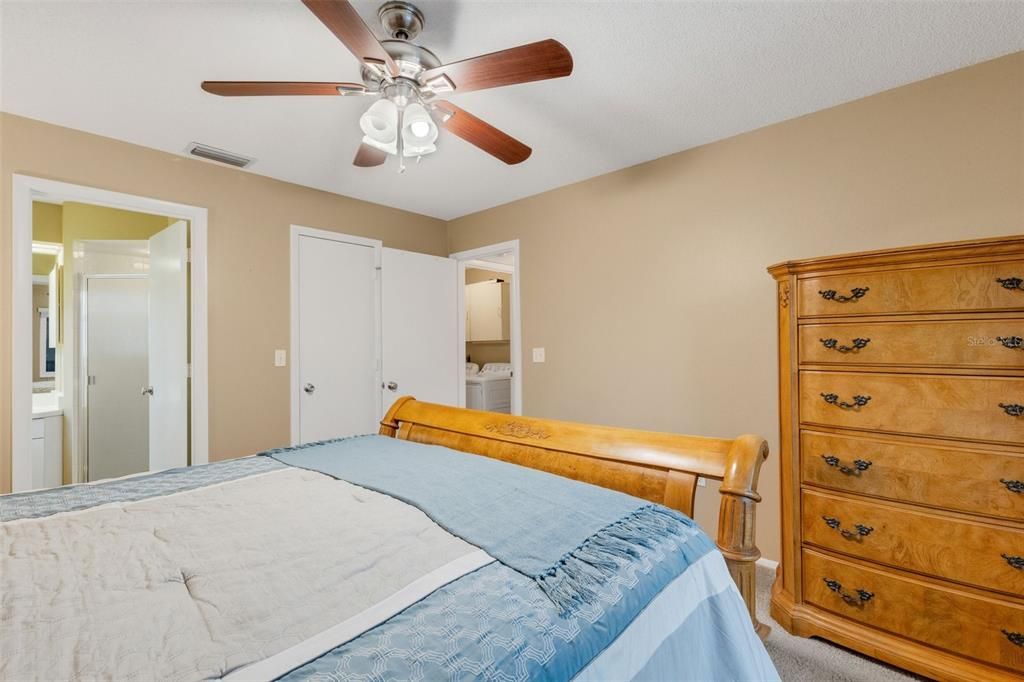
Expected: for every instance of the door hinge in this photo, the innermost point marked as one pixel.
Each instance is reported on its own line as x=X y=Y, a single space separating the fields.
x=188 y=254
x=188 y=371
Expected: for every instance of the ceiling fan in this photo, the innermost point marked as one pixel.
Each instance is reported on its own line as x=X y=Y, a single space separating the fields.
x=408 y=80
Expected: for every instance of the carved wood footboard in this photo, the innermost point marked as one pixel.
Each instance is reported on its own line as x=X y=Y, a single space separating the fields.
x=660 y=467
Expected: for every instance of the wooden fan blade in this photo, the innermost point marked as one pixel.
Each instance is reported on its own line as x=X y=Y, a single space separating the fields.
x=482 y=134
x=345 y=23
x=271 y=88
x=523 y=64
x=367 y=156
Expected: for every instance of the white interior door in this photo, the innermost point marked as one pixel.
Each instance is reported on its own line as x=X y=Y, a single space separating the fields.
x=117 y=369
x=336 y=352
x=168 y=348
x=420 y=331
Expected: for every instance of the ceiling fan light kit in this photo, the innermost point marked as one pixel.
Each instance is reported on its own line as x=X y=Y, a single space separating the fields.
x=407 y=79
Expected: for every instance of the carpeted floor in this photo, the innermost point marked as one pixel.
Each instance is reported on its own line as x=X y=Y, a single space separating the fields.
x=813 y=660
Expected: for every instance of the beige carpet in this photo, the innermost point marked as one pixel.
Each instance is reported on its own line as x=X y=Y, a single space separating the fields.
x=813 y=660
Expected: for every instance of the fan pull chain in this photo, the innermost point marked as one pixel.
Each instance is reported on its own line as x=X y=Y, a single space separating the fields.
x=401 y=150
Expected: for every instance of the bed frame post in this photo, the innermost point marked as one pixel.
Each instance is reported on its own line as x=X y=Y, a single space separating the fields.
x=736 y=519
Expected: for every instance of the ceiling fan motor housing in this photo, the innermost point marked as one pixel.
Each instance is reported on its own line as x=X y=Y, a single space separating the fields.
x=412 y=60
x=401 y=20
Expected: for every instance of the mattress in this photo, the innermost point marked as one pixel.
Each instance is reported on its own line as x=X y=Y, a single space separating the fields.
x=260 y=569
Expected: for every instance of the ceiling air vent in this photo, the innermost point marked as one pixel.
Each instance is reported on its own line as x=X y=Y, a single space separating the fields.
x=205 y=151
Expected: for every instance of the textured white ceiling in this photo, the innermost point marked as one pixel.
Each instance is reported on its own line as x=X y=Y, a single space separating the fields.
x=650 y=79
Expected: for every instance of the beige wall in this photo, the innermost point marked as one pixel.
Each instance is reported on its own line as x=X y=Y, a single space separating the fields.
x=249 y=218
x=647 y=286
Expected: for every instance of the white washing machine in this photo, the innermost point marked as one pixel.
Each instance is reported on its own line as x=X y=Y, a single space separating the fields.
x=490 y=389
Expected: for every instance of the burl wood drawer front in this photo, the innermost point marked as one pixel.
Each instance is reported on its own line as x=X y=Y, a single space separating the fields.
x=955 y=620
x=987 y=483
x=988 y=286
x=968 y=343
x=974 y=553
x=989 y=408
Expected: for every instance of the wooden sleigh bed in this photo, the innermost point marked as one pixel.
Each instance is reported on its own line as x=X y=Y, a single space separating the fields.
x=659 y=467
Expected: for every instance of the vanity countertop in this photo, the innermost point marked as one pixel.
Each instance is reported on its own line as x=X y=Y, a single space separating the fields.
x=42 y=414
x=45 y=405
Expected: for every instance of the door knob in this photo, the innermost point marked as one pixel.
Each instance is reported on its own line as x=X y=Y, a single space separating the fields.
x=392 y=386
x=309 y=388
x=148 y=390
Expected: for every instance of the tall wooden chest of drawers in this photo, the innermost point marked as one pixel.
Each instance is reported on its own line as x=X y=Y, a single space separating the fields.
x=901 y=389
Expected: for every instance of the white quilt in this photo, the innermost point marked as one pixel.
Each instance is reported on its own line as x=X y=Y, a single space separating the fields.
x=201 y=583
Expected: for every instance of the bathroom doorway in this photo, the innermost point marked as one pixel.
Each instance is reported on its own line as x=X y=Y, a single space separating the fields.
x=118 y=383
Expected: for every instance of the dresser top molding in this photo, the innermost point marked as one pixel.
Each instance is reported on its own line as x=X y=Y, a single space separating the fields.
x=946 y=251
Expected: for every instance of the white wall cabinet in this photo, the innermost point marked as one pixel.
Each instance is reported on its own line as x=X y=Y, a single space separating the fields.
x=484 y=312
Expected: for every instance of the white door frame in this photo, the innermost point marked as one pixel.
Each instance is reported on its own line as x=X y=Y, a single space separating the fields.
x=298 y=231
x=467 y=258
x=25 y=190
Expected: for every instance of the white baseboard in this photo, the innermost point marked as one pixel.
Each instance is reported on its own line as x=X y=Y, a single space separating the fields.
x=768 y=563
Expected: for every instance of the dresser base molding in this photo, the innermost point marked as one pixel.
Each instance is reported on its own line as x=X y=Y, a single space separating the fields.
x=804 y=620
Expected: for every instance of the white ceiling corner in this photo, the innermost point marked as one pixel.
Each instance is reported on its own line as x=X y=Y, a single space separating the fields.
x=650 y=79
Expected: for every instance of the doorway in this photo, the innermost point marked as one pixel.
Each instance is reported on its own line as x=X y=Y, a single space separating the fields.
x=126 y=331
x=489 y=337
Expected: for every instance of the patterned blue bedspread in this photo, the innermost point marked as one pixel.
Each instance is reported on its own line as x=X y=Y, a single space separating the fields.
x=496 y=623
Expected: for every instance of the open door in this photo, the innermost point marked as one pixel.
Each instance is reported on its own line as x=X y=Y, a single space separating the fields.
x=168 y=348
x=419 y=326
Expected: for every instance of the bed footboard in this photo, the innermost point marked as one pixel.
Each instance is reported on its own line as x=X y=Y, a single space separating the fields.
x=659 y=467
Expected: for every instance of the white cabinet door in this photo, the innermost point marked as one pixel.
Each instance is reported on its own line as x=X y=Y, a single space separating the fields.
x=421 y=356
x=483 y=303
x=38 y=463
x=338 y=391
x=168 y=348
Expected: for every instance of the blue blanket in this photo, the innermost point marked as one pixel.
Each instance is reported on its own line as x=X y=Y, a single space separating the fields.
x=567 y=536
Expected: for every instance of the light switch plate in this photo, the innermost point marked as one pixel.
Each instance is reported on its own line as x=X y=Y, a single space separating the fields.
x=538 y=355
x=279 y=358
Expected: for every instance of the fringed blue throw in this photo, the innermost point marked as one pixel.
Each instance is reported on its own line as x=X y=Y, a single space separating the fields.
x=569 y=537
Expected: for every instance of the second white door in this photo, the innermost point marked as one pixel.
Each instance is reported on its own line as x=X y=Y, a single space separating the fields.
x=420 y=328
x=118 y=422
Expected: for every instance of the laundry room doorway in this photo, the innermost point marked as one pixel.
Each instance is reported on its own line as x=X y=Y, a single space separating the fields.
x=489 y=328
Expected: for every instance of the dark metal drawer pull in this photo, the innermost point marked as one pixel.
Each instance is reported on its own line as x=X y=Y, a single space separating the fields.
x=1015 y=637
x=1010 y=282
x=835 y=524
x=1012 y=409
x=855 y=293
x=859 y=465
x=861 y=598
x=1011 y=341
x=1015 y=561
x=833 y=344
x=1013 y=486
x=858 y=401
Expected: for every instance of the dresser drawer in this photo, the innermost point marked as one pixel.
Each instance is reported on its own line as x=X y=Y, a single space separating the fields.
x=947 y=406
x=962 y=343
x=974 y=553
x=963 y=480
x=940 y=616
x=941 y=289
